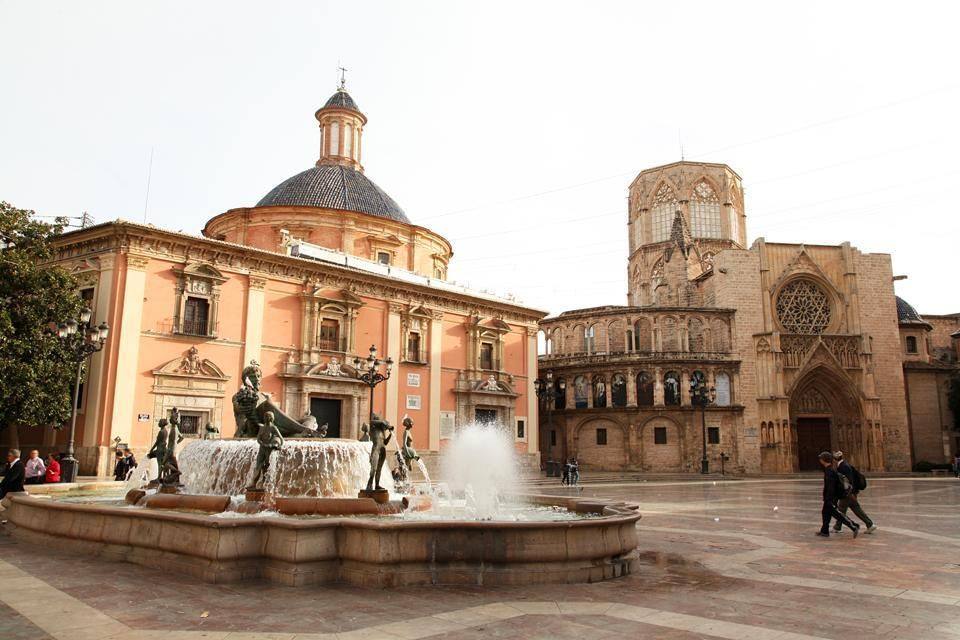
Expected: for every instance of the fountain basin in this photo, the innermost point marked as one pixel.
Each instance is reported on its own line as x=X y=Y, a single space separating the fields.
x=366 y=551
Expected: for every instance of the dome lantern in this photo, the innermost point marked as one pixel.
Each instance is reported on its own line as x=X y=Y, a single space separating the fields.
x=341 y=130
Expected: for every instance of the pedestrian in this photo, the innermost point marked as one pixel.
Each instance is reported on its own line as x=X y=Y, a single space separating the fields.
x=956 y=464
x=125 y=462
x=35 y=469
x=852 y=499
x=13 y=474
x=53 y=468
x=832 y=491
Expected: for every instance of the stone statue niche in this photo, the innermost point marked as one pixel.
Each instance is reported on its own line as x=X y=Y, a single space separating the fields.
x=250 y=406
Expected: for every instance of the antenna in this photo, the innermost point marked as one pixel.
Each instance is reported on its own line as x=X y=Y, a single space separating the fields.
x=146 y=199
x=680 y=141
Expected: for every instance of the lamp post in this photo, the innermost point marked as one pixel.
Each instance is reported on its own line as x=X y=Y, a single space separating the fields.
x=702 y=395
x=90 y=340
x=368 y=372
x=547 y=393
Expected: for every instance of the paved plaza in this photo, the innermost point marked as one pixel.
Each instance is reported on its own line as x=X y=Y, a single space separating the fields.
x=734 y=559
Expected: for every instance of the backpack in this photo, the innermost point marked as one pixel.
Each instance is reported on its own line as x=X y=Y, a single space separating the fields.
x=859 y=480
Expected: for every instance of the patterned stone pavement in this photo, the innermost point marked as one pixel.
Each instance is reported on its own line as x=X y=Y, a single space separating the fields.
x=731 y=559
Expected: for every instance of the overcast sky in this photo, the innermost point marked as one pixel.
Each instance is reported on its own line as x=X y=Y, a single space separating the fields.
x=511 y=128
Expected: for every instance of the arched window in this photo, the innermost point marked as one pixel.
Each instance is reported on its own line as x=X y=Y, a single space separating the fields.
x=589 y=339
x=618 y=393
x=542 y=349
x=722 y=383
x=599 y=392
x=720 y=335
x=580 y=392
x=671 y=388
x=348 y=140
x=695 y=335
x=911 y=344
x=644 y=389
x=704 y=208
x=615 y=337
x=662 y=212
x=560 y=394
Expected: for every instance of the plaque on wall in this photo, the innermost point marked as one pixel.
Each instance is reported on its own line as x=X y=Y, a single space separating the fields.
x=413 y=379
x=448 y=420
x=143 y=417
x=413 y=402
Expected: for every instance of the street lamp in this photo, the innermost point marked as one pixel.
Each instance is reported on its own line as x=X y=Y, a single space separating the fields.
x=548 y=393
x=90 y=341
x=702 y=395
x=368 y=372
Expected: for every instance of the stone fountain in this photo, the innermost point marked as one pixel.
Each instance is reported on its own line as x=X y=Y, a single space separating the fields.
x=281 y=502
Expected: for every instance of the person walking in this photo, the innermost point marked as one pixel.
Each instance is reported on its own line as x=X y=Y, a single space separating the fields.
x=832 y=491
x=53 y=468
x=13 y=474
x=956 y=464
x=35 y=469
x=852 y=499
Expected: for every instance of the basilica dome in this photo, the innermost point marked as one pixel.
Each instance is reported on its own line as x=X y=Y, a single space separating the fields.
x=334 y=186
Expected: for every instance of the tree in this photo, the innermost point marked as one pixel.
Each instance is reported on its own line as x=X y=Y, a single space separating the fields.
x=38 y=368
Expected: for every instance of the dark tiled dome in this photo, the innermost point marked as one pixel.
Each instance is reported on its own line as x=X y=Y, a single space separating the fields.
x=906 y=314
x=343 y=100
x=332 y=186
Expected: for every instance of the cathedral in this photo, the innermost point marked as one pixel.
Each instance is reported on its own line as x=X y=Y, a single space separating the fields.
x=743 y=359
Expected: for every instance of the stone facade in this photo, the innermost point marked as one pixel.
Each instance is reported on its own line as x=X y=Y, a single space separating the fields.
x=800 y=342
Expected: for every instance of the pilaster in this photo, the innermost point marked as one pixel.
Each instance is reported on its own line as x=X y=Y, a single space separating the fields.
x=436 y=373
x=253 y=331
x=128 y=348
x=391 y=411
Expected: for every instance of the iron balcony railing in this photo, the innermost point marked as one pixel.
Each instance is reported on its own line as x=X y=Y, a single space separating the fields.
x=196 y=327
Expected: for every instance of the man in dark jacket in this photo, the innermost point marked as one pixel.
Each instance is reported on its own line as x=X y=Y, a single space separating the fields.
x=851 y=500
x=832 y=492
x=13 y=474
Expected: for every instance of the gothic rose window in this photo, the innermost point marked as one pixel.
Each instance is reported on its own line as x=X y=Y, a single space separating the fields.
x=803 y=307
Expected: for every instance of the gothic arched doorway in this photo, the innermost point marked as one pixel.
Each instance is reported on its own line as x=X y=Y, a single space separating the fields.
x=825 y=415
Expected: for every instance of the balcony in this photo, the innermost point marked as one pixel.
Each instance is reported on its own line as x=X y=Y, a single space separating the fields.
x=196 y=328
x=338 y=345
x=633 y=356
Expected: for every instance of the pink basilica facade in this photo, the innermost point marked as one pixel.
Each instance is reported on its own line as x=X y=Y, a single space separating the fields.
x=323 y=267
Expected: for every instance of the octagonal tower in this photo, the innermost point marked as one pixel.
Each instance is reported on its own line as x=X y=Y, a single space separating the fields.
x=710 y=198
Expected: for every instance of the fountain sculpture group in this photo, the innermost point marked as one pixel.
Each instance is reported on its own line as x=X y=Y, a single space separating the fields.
x=352 y=527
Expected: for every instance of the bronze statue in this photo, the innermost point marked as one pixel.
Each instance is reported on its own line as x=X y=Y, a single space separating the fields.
x=409 y=453
x=380 y=433
x=164 y=449
x=270 y=440
x=250 y=405
x=364 y=433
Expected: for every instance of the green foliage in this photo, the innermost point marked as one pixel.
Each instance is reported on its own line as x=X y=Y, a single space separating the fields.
x=37 y=369
x=953 y=398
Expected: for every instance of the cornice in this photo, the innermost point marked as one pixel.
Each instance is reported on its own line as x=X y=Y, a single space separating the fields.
x=147 y=241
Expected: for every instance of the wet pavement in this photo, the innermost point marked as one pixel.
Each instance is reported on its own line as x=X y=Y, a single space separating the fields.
x=724 y=559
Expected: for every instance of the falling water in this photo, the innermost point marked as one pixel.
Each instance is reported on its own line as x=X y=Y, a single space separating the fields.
x=481 y=463
x=307 y=467
x=423 y=470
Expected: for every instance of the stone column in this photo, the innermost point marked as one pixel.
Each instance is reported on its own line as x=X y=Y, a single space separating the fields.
x=128 y=349
x=253 y=330
x=532 y=431
x=684 y=388
x=631 y=388
x=92 y=418
x=589 y=392
x=570 y=398
x=658 y=387
x=436 y=372
x=391 y=411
